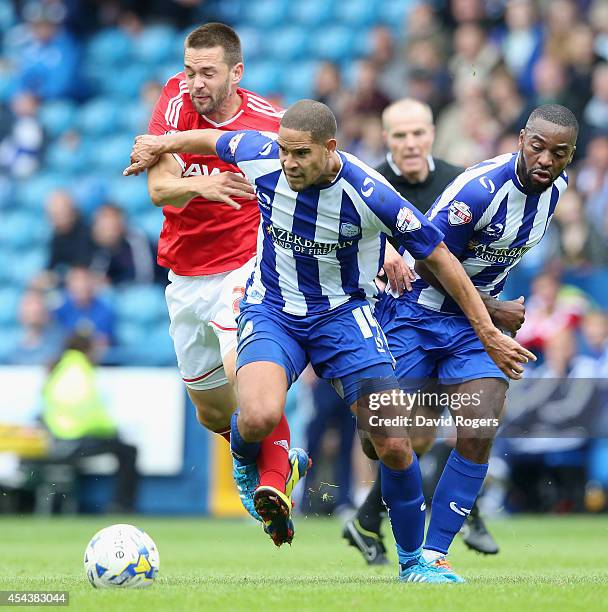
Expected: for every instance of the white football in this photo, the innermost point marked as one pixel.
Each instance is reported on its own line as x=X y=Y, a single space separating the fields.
x=121 y=556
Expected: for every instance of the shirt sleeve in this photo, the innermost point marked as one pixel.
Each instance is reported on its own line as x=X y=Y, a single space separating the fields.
x=457 y=214
x=243 y=145
x=401 y=220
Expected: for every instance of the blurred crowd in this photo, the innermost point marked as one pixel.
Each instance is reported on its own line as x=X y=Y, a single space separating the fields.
x=78 y=81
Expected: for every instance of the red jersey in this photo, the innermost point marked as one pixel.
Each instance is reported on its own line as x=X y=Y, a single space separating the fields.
x=208 y=237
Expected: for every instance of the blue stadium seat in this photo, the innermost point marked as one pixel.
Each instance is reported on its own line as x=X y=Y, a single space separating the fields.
x=99 y=116
x=141 y=304
x=33 y=192
x=20 y=229
x=155 y=44
x=9 y=337
x=358 y=13
x=126 y=83
x=311 y=13
x=28 y=265
x=9 y=305
x=393 y=12
x=252 y=42
x=109 y=47
x=130 y=193
x=65 y=159
x=112 y=154
x=90 y=190
x=263 y=77
x=298 y=81
x=289 y=44
x=130 y=334
x=265 y=14
x=57 y=117
x=150 y=222
x=335 y=43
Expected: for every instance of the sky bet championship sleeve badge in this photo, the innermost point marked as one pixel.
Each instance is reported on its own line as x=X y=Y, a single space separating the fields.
x=407 y=220
x=459 y=213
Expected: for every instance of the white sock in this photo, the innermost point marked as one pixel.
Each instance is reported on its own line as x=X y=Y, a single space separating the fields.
x=430 y=555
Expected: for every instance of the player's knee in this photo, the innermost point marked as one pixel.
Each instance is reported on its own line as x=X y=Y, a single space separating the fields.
x=395 y=453
x=213 y=418
x=255 y=425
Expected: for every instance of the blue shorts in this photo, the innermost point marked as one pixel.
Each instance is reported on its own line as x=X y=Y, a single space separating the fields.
x=345 y=346
x=432 y=345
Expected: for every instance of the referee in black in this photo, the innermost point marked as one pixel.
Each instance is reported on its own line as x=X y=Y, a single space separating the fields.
x=410 y=168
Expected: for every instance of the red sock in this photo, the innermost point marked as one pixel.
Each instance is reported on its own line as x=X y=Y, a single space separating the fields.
x=273 y=460
x=225 y=434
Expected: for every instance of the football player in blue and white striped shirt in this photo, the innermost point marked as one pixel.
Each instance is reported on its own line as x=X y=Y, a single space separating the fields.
x=320 y=245
x=490 y=215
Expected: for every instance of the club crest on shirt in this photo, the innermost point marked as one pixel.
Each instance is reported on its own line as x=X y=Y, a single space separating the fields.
x=349 y=230
x=234 y=142
x=459 y=213
x=407 y=220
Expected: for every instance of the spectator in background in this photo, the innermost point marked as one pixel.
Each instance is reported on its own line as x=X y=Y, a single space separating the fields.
x=366 y=98
x=328 y=87
x=83 y=311
x=580 y=58
x=595 y=114
x=370 y=147
x=592 y=183
x=507 y=104
x=550 y=309
x=561 y=16
x=120 y=254
x=521 y=42
x=473 y=54
x=77 y=418
x=71 y=243
x=49 y=58
x=598 y=18
x=550 y=82
x=20 y=149
x=41 y=339
x=580 y=242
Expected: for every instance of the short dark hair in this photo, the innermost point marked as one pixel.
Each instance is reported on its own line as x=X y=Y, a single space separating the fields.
x=311 y=116
x=555 y=113
x=217 y=35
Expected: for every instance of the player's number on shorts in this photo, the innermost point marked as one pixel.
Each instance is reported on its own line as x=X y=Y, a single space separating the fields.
x=369 y=326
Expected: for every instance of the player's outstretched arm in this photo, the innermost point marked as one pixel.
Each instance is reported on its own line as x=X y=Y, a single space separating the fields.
x=148 y=148
x=508 y=354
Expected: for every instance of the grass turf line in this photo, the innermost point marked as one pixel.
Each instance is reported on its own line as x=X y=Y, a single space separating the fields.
x=545 y=563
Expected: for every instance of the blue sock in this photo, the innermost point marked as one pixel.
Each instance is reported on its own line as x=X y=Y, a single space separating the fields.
x=247 y=452
x=402 y=494
x=454 y=497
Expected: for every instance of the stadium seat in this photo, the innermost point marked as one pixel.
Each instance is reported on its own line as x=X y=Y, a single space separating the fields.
x=62 y=158
x=90 y=191
x=150 y=222
x=131 y=194
x=393 y=12
x=333 y=43
x=262 y=77
x=312 y=13
x=265 y=14
x=358 y=13
x=99 y=116
x=288 y=44
x=28 y=265
x=155 y=44
x=252 y=43
x=33 y=192
x=110 y=47
x=298 y=81
x=126 y=83
x=9 y=304
x=9 y=337
x=141 y=304
x=57 y=117
x=21 y=229
x=112 y=154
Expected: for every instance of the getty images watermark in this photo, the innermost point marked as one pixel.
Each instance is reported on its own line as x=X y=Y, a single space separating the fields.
x=399 y=400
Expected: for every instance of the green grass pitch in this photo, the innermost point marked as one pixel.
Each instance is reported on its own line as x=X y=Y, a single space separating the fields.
x=546 y=563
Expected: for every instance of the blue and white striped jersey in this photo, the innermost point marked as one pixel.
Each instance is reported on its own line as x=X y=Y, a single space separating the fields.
x=322 y=247
x=489 y=223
